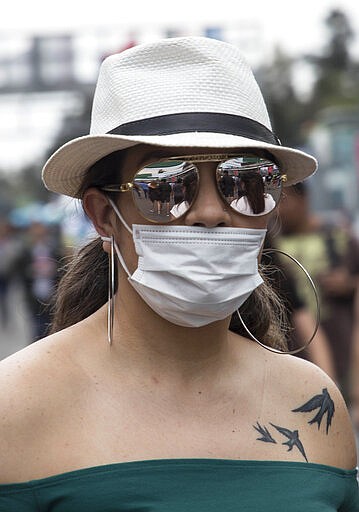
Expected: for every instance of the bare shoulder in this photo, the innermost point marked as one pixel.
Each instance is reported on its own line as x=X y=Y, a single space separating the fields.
x=316 y=408
x=36 y=384
x=35 y=368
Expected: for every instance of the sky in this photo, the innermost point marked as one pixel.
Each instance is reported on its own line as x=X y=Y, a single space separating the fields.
x=297 y=25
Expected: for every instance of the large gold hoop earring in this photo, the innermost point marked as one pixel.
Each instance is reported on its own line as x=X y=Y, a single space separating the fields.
x=294 y=351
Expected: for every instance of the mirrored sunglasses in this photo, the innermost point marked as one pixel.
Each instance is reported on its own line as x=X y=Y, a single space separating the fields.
x=165 y=190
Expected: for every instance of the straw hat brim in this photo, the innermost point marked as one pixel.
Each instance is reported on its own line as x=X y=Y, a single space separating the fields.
x=66 y=168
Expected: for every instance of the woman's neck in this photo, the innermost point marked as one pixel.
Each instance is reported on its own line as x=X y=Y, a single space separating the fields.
x=145 y=344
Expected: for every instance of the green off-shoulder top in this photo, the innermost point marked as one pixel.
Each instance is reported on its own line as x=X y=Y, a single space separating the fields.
x=189 y=485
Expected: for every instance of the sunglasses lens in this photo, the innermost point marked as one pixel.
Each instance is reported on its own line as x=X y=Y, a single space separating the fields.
x=250 y=185
x=165 y=190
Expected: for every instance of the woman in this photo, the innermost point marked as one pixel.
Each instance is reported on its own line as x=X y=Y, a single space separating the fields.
x=165 y=195
x=178 y=191
x=253 y=200
x=154 y=195
x=176 y=412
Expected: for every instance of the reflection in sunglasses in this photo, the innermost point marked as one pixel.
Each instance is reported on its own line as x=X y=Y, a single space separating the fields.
x=166 y=189
x=254 y=199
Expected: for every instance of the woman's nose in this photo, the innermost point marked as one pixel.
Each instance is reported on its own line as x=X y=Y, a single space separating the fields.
x=209 y=209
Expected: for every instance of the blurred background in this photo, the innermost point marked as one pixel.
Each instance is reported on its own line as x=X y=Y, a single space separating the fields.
x=306 y=60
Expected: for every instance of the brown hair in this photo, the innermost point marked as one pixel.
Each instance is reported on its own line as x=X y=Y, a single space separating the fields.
x=83 y=289
x=84 y=286
x=254 y=191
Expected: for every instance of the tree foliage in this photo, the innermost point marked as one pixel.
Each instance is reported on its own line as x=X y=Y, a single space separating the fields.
x=287 y=111
x=336 y=82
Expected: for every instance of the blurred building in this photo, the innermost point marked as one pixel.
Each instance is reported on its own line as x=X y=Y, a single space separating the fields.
x=334 y=140
x=39 y=87
x=46 y=79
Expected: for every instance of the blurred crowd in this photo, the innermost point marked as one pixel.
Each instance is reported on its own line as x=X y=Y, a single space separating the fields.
x=329 y=251
x=34 y=246
x=33 y=255
x=30 y=258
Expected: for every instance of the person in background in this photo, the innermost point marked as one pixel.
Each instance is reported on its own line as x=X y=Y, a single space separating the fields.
x=188 y=187
x=38 y=268
x=302 y=321
x=331 y=256
x=227 y=185
x=252 y=197
x=155 y=196
x=165 y=195
x=8 y=255
x=144 y=187
x=178 y=191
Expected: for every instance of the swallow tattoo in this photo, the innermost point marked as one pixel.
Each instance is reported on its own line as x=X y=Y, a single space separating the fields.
x=266 y=437
x=293 y=439
x=325 y=405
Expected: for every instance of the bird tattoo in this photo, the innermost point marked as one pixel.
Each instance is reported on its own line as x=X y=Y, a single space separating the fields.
x=325 y=405
x=293 y=439
x=266 y=437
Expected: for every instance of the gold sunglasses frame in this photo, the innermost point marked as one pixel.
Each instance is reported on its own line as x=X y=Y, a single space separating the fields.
x=220 y=157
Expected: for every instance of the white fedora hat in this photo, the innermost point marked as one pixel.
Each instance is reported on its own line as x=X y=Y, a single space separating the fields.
x=180 y=92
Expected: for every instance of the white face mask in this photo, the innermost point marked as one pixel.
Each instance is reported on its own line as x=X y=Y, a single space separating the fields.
x=192 y=276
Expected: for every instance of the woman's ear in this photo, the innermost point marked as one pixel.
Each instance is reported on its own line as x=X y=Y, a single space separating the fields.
x=98 y=209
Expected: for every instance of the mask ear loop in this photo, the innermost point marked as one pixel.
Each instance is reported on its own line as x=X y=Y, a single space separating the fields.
x=118 y=213
x=111 y=288
x=294 y=351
